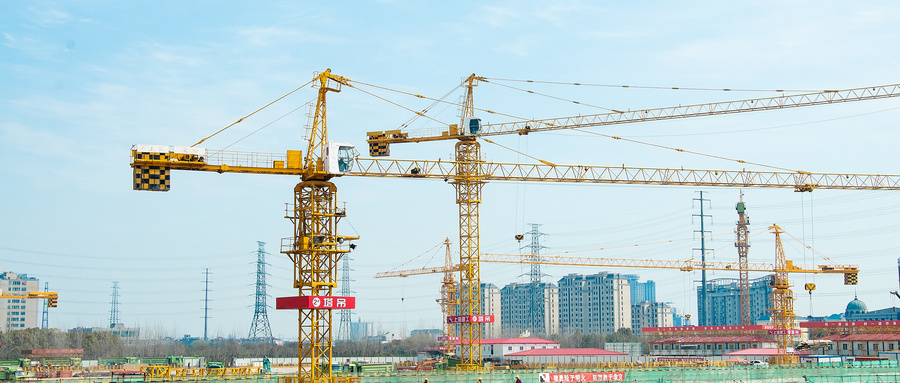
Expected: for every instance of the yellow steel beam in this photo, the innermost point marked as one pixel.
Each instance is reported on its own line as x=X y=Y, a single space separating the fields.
x=657 y=114
x=262 y=163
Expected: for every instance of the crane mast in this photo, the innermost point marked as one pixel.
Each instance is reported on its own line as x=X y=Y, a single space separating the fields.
x=743 y=247
x=468 y=186
x=449 y=298
x=782 y=302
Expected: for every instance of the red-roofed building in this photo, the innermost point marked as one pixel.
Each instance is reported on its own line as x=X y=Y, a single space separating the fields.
x=496 y=349
x=862 y=344
x=761 y=353
x=566 y=352
x=582 y=355
x=708 y=345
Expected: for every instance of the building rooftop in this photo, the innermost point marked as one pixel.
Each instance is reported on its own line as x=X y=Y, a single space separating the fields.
x=761 y=352
x=514 y=341
x=517 y=341
x=566 y=352
x=863 y=337
x=715 y=339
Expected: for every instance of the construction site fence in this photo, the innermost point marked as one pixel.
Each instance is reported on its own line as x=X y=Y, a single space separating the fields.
x=167 y=373
x=855 y=372
x=284 y=362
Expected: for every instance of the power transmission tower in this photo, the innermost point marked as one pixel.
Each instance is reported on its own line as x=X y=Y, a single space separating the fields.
x=45 y=320
x=114 y=305
x=703 y=299
x=206 y=305
x=536 y=293
x=345 y=319
x=259 y=328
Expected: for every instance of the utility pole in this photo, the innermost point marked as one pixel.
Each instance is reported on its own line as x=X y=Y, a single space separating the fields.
x=260 y=329
x=703 y=300
x=114 y=305
x=206 y=305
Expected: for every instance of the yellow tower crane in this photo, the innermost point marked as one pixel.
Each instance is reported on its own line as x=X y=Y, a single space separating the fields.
x=315 y=247
x=471 y=173
x=782 y=296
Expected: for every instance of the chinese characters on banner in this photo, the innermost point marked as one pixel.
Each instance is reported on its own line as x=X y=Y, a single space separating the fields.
x=569 y=377
x=470 y=319
x=793 y=331
x=315 y=302
x=443 y=338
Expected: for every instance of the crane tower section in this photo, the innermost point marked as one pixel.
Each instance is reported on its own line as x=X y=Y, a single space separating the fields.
x=743 y=246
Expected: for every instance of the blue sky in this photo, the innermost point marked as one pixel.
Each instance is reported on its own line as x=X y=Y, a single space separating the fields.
x=83 y=81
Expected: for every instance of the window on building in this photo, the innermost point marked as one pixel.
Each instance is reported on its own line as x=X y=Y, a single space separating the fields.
x=844 y=346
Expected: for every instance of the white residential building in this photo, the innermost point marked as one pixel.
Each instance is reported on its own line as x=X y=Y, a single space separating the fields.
x=650 y=314
x=19 y=314
x=490 y=305
x=594 y=304
x=529 y=308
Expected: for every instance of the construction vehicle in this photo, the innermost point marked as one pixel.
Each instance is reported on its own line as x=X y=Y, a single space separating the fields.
x=315 y=247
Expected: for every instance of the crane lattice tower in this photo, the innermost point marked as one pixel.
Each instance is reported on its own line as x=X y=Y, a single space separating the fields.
x=259 y=328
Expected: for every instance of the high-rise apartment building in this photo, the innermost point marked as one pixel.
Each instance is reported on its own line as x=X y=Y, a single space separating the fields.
x=18 y=314
x=491 y=305
x=724 y=296
x=641 y=291
x=598 y=303
x=531 y=307
x=650 y=314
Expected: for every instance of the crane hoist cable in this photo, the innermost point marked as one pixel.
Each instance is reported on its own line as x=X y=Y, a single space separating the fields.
x=426 y=98
x=810 y=248
x=441 y=244
x=658 y=87
x=307 y=104
x=686 y=151
x=555 y=98
x=254 y=112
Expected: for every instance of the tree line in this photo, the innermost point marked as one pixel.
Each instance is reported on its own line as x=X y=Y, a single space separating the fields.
x=110 y=346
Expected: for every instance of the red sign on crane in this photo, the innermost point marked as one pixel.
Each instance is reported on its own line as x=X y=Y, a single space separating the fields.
x=315 y=302
x=470 y=319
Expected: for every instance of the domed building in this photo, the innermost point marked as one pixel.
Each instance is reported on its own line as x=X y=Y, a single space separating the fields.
x=855 y=308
